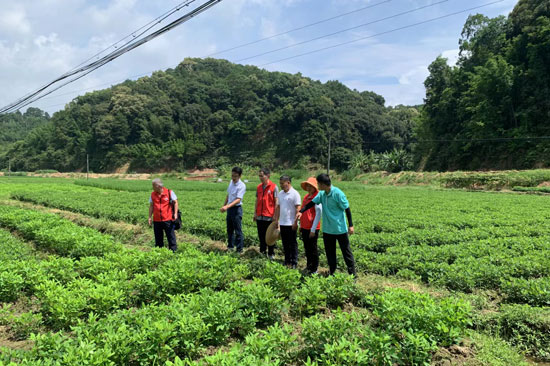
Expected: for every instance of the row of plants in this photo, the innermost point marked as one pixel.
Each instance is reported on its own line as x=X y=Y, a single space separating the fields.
x=479 y=242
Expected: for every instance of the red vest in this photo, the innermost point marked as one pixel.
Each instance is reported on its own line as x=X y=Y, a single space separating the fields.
x=306 y=221
x=162 y=209
x=265 y=204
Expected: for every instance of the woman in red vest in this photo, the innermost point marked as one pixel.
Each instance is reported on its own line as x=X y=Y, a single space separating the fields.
x=163 y=208
x=266 y=201
x=310 y=224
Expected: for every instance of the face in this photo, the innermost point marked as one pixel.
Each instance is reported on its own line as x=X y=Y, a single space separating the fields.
x=310 y=189
x=157 y=188
x=235 y=177
x=263 y=177
x=322 y=187
x=285 y=185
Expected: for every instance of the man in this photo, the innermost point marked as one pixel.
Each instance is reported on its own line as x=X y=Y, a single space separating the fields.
x=286 y=216
x=310 y=223
x=233 y=207
x=266 y=201
x=335 y=211
x=163 y=210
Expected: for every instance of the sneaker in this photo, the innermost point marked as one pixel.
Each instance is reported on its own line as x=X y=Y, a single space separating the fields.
x=293 y=266
x=271 y=257
x=230 y=249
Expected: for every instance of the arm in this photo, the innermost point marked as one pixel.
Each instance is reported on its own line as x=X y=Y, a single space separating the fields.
x=318 y=214
x=150 y=213
x=296 y=218
x=176 y=207
x=350 y=222
x=276 y=215
x=224 y=207
x=255 y=206
x=307 y=207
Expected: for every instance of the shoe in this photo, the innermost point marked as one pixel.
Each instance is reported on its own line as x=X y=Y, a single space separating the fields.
x=293 y=266
x=271 y=257
x=230 y=249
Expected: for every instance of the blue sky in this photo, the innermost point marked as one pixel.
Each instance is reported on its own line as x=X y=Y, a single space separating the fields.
x=40 y=40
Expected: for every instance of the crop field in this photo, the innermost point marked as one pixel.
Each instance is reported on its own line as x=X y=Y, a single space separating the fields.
x=443 y=275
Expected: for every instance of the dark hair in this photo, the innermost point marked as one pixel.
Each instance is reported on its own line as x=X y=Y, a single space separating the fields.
x=237 y=170
x=286 y=178
x=265 y=171
x=323 y=179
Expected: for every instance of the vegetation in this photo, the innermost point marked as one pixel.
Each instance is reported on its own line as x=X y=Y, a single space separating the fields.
x=209 y=112
x=490 y=109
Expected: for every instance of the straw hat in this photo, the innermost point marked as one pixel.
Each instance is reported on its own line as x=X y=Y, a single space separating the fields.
x=272 y=234
x=311 y=181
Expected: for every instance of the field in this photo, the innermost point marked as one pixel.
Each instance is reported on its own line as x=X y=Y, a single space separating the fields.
x=445 y=277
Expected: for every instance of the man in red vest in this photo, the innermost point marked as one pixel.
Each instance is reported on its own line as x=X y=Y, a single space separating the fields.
x=266 y=201
x=163 y=208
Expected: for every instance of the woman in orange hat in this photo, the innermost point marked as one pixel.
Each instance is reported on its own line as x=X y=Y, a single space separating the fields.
x=310 y=223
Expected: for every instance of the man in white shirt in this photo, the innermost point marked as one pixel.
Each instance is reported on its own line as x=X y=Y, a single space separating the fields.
x=288 y=206
x=233 y=207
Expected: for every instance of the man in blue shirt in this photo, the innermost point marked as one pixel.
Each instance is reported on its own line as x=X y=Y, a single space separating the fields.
x=233 y=207
x=335 y=228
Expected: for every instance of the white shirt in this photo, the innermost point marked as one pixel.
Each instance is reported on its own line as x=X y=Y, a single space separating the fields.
x=287 y=203
x=235 y=191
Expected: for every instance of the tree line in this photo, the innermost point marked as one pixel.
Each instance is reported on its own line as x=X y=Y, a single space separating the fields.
x=208 y=112
x=491 y=110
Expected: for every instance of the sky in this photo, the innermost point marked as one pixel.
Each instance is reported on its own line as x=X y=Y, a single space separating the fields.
x=42 y=39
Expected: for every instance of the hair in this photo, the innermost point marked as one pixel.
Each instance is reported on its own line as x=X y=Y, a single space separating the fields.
x=286 y=178
x=323 y=179
x=265 y=171
x=237 y=170
x=158 y=182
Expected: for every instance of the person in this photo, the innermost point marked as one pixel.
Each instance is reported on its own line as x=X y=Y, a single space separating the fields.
x=233 y=207
x=163 y=208
x=266 y=201
x=310 y=223
x=286 y=216
x=335 y=228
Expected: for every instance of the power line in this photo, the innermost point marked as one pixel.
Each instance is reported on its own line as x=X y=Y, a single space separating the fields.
x=380 y=34
x=342 y=31
x=299 y=28
x=238 y=46
x=106 y=59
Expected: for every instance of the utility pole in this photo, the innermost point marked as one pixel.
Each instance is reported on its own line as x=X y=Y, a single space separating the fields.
x=328 y=162
x=87 y=166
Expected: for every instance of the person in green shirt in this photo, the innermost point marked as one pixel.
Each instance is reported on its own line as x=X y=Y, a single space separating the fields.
x=337 y=222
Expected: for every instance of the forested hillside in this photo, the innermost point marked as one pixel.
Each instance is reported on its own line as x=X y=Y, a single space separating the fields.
x=16 y=126
x=493 y=109
x=206 y=112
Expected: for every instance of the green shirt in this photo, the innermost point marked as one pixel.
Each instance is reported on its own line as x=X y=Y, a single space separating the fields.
x=334 y=207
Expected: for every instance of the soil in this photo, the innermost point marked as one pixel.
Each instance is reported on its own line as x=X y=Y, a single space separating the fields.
x=456 y=355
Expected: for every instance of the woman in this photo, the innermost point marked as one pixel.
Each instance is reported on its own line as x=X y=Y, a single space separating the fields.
x=310 y=223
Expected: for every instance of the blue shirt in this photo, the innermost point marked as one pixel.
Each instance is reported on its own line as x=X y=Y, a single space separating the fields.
x=334 y=204
x=235 y=191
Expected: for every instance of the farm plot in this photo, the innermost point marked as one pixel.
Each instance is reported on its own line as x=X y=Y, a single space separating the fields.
x=460 y=240
x=128 y=307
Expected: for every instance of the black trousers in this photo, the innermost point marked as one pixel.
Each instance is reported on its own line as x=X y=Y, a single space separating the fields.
x=330 y=249
x=234 y=228
x=310 y=246
x=262 y=230
x=167 y=227
x=290 y=245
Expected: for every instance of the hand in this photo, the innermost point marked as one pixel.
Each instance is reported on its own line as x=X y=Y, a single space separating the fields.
x=351 y=230
x=295 y=226
x=312 y=234
x=175 y=217
x=298 y=215
x=254 y=219
x=223 y=209
x=150 y=221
